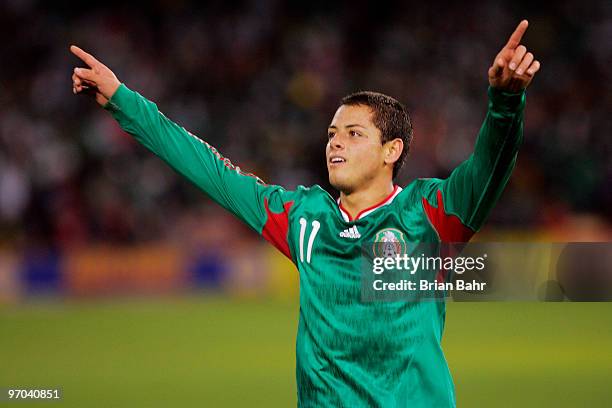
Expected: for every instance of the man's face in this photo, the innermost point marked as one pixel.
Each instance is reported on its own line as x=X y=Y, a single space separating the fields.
x=355 y=154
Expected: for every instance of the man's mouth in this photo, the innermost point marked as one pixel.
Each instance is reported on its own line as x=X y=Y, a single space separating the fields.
x=336 y=160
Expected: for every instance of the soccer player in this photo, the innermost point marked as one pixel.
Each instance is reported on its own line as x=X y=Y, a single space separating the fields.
x=349 y=352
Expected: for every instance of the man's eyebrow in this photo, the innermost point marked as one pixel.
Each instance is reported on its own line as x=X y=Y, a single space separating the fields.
x=347 y=126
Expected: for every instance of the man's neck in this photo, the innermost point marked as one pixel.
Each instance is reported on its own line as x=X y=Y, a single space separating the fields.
x=357 y=201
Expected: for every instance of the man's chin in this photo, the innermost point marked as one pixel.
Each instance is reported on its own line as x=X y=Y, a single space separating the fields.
x=340 y=184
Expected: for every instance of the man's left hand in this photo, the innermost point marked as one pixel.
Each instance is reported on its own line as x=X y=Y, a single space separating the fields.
x=514 y=67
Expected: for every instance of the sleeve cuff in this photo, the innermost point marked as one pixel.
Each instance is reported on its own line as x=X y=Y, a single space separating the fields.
x=506 y=102
x=116 y=101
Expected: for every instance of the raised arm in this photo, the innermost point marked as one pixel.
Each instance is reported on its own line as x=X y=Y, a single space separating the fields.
x=458 y=206
x=263 y=207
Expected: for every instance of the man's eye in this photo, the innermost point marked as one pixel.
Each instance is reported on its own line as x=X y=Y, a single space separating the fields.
x=354 y=133
x=330 y=135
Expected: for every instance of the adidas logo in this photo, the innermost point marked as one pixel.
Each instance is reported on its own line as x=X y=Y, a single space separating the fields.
x=350 y=233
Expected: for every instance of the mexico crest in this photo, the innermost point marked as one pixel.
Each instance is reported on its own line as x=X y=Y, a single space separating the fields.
x=389 y=242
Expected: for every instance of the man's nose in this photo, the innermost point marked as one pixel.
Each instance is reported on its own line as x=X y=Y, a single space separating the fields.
x=337 y=142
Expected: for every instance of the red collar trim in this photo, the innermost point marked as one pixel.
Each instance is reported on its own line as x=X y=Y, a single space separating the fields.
x=366 y=211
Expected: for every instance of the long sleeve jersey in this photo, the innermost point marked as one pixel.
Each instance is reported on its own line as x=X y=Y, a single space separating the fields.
x=350 y=352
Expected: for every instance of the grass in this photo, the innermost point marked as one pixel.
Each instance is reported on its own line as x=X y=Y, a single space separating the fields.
x=214 y=351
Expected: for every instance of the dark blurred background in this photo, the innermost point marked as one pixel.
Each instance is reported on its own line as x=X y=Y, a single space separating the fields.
x=261 y=80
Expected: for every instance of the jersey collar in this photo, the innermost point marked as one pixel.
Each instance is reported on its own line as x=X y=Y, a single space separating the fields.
x=387 y=200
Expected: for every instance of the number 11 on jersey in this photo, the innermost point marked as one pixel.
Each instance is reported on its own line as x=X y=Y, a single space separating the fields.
x=313 y=233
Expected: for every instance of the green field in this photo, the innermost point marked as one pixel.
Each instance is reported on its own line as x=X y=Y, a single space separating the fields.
x=215 y=352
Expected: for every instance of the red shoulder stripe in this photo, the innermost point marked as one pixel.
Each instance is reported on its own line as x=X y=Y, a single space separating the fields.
x=449 y=227
x=276 y=228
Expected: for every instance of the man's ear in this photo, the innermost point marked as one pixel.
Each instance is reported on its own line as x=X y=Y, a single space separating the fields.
x=393 y=150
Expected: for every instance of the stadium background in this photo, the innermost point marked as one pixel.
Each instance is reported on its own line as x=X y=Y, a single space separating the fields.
x=125 y=286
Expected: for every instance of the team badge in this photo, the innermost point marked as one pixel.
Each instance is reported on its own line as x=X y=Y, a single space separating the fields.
x=389 y=242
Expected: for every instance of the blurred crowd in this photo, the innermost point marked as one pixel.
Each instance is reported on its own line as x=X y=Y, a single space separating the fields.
x=260 y=80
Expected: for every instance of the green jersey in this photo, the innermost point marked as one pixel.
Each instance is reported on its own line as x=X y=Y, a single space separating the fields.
x=350 y=352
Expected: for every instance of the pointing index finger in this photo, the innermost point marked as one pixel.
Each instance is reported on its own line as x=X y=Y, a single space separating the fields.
x=517 y=35
x=84 y=56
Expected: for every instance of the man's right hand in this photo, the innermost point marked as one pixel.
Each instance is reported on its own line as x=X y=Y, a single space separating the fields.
x=98 y=79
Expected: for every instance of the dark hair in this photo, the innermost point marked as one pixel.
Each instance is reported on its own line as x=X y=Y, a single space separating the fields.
x=389 y=115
